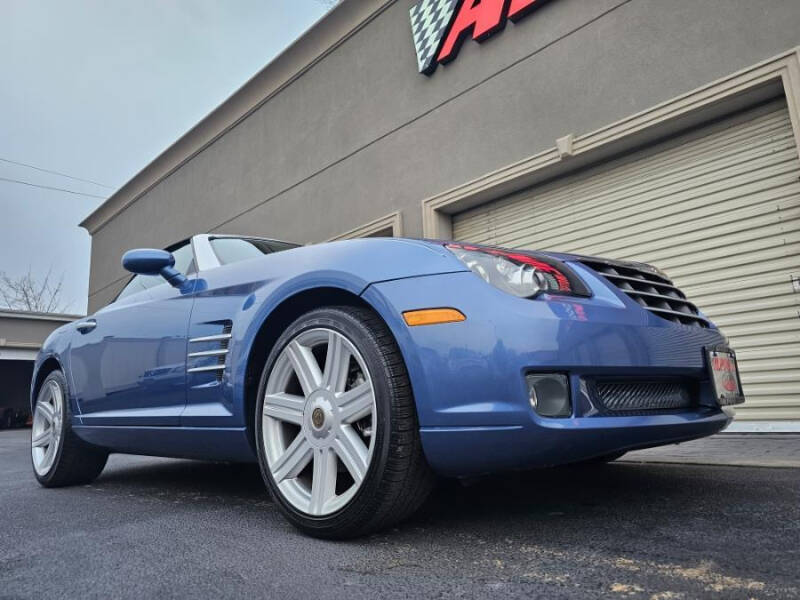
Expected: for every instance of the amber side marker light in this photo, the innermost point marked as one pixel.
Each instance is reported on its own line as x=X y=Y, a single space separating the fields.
x=433 y=316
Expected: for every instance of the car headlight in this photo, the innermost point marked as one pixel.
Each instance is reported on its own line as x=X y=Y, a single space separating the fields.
x=518 y=274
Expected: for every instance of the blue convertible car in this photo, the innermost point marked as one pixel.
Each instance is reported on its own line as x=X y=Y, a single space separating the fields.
x=355 y=371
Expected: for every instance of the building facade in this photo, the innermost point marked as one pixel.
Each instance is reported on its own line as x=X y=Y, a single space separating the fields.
x=665 y=132
x=21 y=336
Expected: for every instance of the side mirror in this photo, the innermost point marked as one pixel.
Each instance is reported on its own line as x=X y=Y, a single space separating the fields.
x=153 y=262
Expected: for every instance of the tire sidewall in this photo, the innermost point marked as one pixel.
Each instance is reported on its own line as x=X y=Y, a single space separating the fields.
x=349 y=326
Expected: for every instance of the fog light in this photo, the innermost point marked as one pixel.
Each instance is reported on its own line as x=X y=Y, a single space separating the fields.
x=549 y=394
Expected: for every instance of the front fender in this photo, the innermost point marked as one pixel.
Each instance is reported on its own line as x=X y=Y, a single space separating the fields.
x=54 y=349
x=351 y=265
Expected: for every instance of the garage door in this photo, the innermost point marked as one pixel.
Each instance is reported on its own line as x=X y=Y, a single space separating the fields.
x=717 y=209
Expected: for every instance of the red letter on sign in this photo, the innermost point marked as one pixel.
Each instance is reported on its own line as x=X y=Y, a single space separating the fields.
x=520 y=8
x=481 y=17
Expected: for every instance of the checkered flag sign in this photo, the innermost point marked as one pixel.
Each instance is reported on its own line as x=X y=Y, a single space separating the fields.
x=429 y=22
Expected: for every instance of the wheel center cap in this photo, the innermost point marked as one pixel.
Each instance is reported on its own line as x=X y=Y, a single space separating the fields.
x=318 y=418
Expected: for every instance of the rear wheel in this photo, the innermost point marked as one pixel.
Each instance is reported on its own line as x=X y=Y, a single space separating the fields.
x=337 y=433
x=59 y=457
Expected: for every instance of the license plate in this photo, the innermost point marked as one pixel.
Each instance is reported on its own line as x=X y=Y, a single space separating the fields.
x=725 y=377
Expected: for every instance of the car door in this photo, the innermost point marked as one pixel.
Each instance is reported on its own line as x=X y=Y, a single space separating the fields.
x=219 y=297
x=128 y=361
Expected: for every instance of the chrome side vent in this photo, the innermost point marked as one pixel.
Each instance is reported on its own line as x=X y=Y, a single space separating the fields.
x=212 y=351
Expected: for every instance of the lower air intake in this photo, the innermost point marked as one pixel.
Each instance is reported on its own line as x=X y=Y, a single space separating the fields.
x=642 y=396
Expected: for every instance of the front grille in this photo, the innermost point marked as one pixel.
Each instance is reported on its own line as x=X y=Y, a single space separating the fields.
x=651 y=291
x=642 y=396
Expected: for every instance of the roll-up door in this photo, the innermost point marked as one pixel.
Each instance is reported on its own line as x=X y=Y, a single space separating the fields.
x=718 y=209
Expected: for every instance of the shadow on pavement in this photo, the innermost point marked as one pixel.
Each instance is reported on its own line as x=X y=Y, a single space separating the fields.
x=183 y=476
x=607 y=492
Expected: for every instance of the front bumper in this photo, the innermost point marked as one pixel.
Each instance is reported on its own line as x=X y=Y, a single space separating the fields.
x=469 y=377
x=470 y=451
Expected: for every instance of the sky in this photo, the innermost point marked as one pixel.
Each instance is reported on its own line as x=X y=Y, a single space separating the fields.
x=98 y=89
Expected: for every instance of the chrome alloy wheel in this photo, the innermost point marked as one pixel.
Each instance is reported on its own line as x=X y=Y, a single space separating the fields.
x=46 y=433
x=318 y=421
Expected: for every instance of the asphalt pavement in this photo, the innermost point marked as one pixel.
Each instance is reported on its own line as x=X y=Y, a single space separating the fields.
x=733 y=449
x=159 y=528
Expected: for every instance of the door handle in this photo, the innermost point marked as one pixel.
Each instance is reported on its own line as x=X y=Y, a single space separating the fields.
x=87 y=326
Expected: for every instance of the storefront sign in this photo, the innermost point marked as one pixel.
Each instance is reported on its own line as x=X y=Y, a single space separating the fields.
x=441 y=26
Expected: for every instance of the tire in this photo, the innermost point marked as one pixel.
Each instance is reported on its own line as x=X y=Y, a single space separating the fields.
x=66 y=459
x=364 y=396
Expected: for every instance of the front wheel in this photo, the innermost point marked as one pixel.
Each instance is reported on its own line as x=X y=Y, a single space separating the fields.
x=336 y=426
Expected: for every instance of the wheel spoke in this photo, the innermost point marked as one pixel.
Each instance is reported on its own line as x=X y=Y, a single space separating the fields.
x=323 y=484
x=337 y=363
x=285 y=407
x=46 y=411
x=355 y=404
x=49 y=455
x=305 y=366
x=42 y=439
x=55 y=392
x=352 y=452
x=293 y=460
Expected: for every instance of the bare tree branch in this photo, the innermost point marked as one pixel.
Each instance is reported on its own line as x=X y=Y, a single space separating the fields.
x=27 y=293
x=8 y=299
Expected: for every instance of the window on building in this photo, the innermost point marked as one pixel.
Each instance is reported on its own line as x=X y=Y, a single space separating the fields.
x=385 y=232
